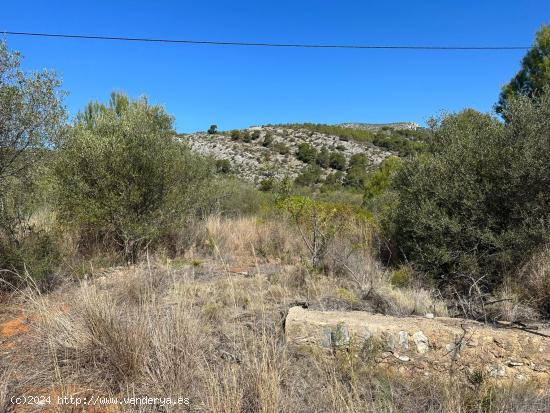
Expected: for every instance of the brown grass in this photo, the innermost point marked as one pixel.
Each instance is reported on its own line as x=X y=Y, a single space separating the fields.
x=162 y=329
x=535 y=278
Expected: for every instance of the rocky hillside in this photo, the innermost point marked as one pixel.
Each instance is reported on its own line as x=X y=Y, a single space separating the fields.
x=257 y=153
x=374 y=127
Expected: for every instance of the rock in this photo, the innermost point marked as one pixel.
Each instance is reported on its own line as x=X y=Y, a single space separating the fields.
x=513 y=363
x=404 y=340
x=540 y=368
x=421 y=341
x=401 y=358
x=444 y=343
x=497 y=370
x=429 y=315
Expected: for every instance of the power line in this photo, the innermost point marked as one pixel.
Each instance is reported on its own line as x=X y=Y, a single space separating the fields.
x=260 y=44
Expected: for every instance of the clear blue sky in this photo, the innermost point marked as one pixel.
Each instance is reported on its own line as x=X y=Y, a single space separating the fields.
x=237 y=87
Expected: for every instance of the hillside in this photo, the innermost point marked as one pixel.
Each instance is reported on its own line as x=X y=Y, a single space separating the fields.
x=374 y=127
x=272 y=151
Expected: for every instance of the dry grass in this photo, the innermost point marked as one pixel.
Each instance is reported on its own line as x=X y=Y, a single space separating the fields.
x=4 y=390
x=251 y=237
x=171 y=342
x=535 y=277
x=157 y=330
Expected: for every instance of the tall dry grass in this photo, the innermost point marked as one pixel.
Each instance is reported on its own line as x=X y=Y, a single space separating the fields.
x=156 y=330
x=167 y=343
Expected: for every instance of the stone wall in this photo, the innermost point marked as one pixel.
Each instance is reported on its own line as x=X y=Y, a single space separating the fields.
x=427 y=345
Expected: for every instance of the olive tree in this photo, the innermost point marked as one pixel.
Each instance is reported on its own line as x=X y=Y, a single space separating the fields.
x=31 y=121
x=123 y=177
x=477 y=206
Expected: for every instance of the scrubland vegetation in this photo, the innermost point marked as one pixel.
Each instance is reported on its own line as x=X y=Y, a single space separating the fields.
x=151 y=272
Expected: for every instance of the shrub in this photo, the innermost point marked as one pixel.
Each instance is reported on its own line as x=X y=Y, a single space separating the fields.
x=267 y=184
x=124 y=180
x=359 y=160
x=320 y=222
x=36 y=255
x=213 y=130
x=309 y=176
x=306 y=153
x=223 y=166
x=255 y=135
x=323 y=158
x=235 y=135
x=477 y=205
x=281 y=148
x=380 y=180
x=337 y=161
x=355 y=177
x=333 y=180
x=268 y=140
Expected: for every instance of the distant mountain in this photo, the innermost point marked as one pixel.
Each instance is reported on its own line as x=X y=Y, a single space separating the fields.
x=374 y=127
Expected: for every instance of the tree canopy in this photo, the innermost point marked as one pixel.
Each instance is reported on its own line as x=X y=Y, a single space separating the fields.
x=534 y=72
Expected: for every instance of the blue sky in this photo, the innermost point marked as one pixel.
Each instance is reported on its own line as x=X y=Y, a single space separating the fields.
x=236 y=87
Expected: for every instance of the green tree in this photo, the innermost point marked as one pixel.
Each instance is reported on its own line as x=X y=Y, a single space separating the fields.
x=32 y=122
x=534 y=72
x=123 y=178
x=31 y=116
x=213 y=129
x=475 y=207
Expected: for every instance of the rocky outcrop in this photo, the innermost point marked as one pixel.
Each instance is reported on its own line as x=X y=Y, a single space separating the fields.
x=253 y=161
x=422 y=345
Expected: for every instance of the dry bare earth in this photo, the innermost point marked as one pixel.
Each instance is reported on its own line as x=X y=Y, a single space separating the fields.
x=209 y=327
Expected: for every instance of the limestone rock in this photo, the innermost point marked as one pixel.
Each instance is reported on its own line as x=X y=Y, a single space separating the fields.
x=440 y=344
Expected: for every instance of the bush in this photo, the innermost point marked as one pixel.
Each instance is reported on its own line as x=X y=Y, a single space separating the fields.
x=321 y=222
x=213 y=129
x=337 y=161
x=323 y=158
x=380 y=180
x=235 y=135
x=124 y=180
x=281 y=148
x=268 y=140
x=223 y=166
x=477 y=205
x=267 y=184
x=36 y=255
x=306 y=153
x=333 y=181
x=309 y=176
